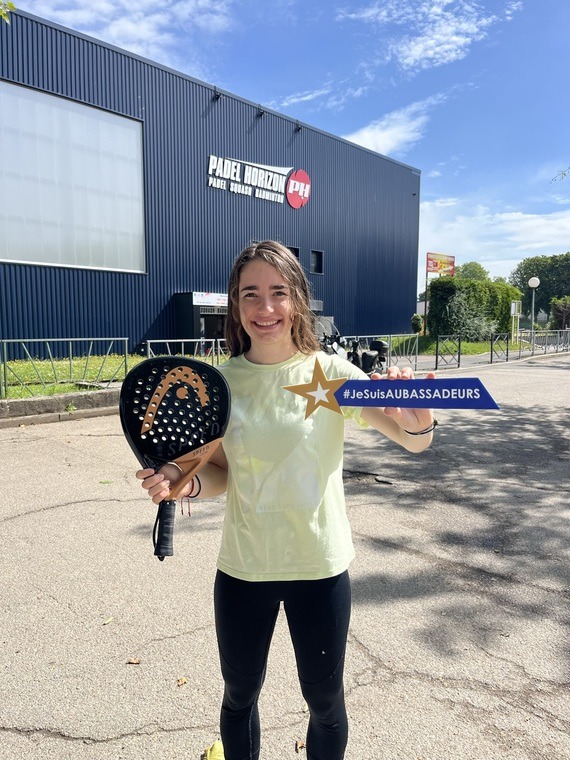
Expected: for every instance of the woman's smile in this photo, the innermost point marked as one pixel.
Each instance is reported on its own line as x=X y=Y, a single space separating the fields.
x=266 y=313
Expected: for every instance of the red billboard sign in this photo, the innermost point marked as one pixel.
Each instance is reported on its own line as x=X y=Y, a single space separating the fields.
x=439 y=263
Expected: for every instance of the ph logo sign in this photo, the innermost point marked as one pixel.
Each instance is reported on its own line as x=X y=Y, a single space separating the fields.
x=298 y=189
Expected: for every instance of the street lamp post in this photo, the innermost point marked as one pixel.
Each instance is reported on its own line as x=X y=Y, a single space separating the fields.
x=533 y=284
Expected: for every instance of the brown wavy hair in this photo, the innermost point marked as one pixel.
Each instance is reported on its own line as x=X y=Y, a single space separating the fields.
x=280 y=258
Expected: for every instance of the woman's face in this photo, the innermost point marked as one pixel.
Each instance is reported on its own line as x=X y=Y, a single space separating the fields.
x=266 y=312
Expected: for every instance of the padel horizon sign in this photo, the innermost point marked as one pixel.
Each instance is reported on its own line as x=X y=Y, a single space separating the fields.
x=268 y=183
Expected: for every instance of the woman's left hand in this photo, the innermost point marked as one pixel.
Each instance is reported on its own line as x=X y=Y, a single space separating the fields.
x=412 y=420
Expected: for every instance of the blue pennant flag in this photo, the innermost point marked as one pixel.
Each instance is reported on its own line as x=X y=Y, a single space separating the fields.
x=449 y=393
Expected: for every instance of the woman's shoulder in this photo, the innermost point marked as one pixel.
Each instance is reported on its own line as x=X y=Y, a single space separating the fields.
x=229 y=364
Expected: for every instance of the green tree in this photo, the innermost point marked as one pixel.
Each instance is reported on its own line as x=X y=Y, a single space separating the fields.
x=560 y=310
x=472 y=270
x=6 y=7
x=554 y=275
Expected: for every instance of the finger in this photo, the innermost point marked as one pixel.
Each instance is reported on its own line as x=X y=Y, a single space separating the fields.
x=153 y=481
x=407 y=373
x=161 y=495
x=160 y=492
x=144 y=474
x=376 y=376
x=393 y=411
x=393 y=373
x=430 y=376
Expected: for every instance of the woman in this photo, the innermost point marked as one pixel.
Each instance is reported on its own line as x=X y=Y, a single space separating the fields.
x=286 y=537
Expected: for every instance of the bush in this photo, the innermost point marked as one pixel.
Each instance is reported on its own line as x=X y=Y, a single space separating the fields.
x=462 y=320
x=417 y=323
x=483 y=307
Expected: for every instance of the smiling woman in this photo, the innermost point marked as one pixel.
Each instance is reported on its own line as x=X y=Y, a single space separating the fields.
x=286 y=536
x=266 y=314
x=269 y=304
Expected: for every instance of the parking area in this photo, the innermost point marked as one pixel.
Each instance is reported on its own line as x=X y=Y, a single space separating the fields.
x=459 y=647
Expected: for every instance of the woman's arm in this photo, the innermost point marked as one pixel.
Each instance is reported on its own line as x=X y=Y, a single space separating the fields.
x=213 y=478
x=402 y=425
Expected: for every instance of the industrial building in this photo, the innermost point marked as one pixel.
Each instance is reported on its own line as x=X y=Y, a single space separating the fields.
x=127 y=189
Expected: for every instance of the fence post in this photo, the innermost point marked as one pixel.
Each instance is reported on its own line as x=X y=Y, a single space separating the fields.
x=3 y=378
x=126 y=352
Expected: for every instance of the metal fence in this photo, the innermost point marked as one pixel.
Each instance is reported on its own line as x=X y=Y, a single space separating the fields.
x=448 y=351
x=212 y=350
x=400 y=347
x=41 y=367
x=543 y=341
x=500 y=347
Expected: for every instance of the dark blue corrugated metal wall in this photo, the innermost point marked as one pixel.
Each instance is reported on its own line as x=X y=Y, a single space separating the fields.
x=363 y=211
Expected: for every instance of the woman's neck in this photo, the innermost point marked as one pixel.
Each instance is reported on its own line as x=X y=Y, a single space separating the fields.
x=268 y=354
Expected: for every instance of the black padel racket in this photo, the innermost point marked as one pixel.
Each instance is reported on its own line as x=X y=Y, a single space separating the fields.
x=173 y=410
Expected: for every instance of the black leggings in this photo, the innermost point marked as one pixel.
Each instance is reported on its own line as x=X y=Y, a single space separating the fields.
x=318 y=613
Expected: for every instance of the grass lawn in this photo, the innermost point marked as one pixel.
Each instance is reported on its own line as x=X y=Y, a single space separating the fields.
x=427 y=346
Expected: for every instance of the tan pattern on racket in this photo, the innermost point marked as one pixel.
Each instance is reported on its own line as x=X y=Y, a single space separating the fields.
x=190 y=463
x=178 y=375
x=173 y=410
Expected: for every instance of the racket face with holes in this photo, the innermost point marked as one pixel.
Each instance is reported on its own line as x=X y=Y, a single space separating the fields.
x=174 y=410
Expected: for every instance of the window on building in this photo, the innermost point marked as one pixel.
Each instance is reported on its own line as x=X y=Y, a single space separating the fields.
x=317 y=262
x=71 y=183
x=294 y=251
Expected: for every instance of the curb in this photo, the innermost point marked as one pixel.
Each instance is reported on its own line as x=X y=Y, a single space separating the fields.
x=35 y=411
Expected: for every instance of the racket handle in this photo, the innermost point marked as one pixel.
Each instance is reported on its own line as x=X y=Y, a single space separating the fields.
x=164 y=529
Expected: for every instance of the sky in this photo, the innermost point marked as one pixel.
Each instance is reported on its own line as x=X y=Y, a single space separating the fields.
x=472 y=93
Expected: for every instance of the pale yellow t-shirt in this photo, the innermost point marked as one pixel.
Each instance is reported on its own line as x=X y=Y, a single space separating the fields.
x=285 y=516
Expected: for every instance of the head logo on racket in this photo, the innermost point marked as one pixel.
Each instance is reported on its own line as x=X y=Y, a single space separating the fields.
x=174 y=410
x=183 y=377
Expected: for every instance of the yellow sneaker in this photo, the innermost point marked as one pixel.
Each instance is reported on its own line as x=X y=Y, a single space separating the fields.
x=215 y=752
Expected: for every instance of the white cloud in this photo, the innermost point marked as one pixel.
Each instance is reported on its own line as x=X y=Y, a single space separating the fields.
x=142 y=26
x=212 y=16
x=332 y=96
x=437 y=31
x=497 y=239
x=512 y=8
x=441 y=40
x=305 y=97
x=341 y=97
x=397 y=131
x=442 y=36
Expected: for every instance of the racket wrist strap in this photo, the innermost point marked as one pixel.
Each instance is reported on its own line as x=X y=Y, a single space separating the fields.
x=196 y=488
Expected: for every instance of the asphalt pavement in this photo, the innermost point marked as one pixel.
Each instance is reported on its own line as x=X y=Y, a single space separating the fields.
x=459 y=646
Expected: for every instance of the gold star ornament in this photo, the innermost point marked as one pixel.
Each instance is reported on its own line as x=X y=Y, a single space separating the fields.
x=319 y=392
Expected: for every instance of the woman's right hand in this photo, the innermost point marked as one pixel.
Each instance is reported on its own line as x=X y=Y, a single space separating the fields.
x=158 y=483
